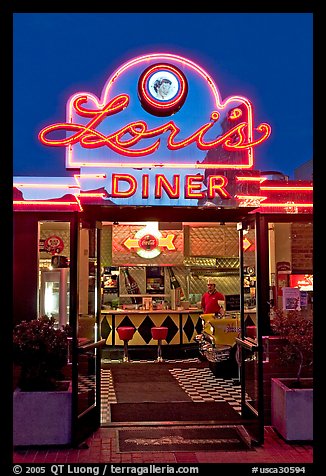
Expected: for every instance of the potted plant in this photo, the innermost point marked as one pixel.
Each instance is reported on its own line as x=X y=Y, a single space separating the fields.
x=42 y=400
x=292 y=398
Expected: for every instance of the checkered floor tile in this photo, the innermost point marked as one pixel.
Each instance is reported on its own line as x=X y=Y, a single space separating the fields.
x=107 y=395
x=200 y=384
x=86 y=383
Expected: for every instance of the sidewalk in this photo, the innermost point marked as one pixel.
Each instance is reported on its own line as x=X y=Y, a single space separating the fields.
x=201 y=386
x=102 y=448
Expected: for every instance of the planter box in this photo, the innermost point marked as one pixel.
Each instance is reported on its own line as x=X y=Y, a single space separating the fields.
x=274 y=367
x=292 y=409
x=42 y=418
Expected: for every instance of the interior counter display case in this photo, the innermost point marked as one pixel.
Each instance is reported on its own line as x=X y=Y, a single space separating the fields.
x=183 y=325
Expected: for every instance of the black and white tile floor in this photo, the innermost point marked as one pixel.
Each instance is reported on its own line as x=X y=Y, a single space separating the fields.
x=199 y=383
x=202 y=386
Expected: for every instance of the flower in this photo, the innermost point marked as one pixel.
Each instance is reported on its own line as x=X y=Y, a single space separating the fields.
x=41 y=351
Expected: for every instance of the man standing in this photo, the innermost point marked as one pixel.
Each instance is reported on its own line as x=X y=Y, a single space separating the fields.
x=210 y=299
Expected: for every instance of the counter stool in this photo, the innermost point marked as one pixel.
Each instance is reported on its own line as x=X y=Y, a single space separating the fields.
x=125 y=334
x=159 y=333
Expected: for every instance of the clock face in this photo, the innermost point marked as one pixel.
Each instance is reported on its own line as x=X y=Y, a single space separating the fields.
x=162 y=89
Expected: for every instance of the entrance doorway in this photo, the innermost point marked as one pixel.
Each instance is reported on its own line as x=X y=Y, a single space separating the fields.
x=209 y=249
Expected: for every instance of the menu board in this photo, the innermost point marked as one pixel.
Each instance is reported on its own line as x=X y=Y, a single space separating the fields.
x=291 y=299
x=154 y=280
x=232 y=302
x=110 y=280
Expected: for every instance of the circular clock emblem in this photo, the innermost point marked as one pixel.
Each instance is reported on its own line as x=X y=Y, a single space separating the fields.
x=162 y=89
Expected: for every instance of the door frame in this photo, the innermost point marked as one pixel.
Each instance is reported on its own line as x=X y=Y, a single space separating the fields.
x=247 y=345
x=86 y=423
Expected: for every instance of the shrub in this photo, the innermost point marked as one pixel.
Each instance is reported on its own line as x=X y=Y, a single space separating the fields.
x=298 y=332
x=41 y=351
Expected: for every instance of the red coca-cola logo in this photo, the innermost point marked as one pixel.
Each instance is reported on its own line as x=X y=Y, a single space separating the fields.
x=148 y=242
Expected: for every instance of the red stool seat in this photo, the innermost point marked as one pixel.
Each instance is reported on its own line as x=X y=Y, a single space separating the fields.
x=159 y=333
x=126 y=333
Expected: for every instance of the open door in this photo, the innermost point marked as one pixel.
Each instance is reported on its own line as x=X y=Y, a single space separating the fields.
x=250 y=349
x=87 y=343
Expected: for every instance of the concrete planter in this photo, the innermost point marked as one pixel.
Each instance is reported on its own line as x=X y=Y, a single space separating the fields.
x=42 y=418
x=292 y=409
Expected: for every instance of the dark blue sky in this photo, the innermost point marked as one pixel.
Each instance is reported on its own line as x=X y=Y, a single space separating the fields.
x=266 y=57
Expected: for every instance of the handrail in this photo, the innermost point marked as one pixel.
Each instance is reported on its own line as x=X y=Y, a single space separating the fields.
x=91 y=345
x=247 y=343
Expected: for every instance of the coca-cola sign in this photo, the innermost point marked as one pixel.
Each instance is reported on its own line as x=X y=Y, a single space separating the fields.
x=53 y=244
x=149 y=242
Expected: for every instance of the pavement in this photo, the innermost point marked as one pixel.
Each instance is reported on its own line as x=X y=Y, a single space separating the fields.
x=103 y=445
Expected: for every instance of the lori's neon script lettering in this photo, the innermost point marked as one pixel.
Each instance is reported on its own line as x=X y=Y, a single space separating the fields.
x=122 y=140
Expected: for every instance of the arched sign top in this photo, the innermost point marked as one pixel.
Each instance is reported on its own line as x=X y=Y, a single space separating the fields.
x=158 y=110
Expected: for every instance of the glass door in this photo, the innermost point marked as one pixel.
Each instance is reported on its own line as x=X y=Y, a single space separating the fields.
x=69 y=294
x=250 y=342
x=54 y=271
x=87 y=352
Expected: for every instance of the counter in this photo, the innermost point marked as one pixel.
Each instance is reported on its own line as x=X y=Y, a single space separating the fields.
x=183 y=325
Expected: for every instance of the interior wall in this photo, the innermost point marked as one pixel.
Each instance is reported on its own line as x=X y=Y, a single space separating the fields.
x=202 y=244
x=283 y=242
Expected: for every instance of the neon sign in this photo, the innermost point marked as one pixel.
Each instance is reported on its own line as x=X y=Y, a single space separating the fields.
x=88 y=137
x=216 y=186
x=160 y=189
x=160 y=134
x=128 y=120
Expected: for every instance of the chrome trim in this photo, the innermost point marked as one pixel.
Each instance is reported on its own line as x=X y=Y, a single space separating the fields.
x=209 y=350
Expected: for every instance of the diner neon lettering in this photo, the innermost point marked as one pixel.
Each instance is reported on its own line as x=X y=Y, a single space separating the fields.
x=193 y=183
x=116 y=178
x=130 y=135
x=161 y=182
x=145 y=186
x=216 y=185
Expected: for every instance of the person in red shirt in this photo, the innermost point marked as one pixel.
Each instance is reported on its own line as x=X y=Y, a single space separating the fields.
x=210 y=299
